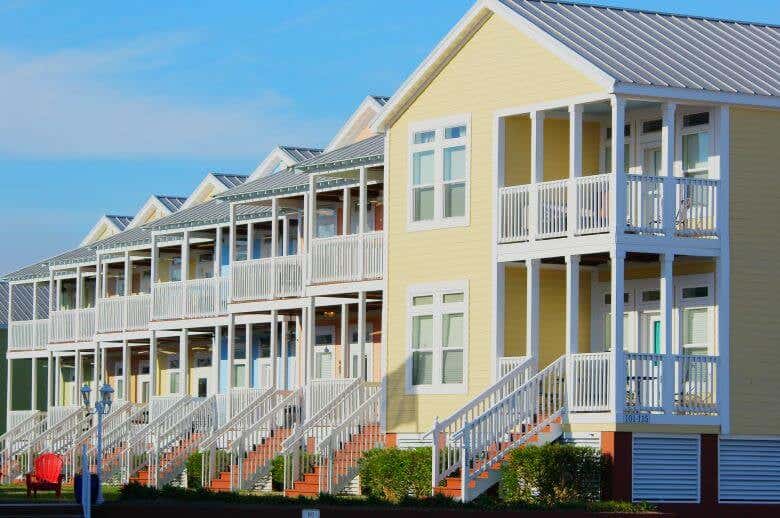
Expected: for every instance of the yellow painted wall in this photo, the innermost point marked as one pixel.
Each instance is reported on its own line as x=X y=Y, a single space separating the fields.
x=552 y=327
x=653 y=270
x=498 y=68
x=517 y=167
x=755 y=285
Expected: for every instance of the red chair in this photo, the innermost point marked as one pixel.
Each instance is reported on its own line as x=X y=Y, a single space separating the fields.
x=46 y=476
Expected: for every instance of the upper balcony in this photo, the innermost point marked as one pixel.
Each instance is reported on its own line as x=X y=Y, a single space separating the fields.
x=566 y=174
x=72 y=318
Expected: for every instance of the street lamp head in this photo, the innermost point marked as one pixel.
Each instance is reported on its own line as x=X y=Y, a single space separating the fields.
x=105 y=395
x=85 y=394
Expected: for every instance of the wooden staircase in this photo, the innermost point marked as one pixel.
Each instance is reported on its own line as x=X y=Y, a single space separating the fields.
x=142 y=476
x=453 y=484
x=344 y=461
x=260 y=456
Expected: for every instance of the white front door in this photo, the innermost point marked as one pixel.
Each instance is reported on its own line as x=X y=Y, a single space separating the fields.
x=323 y=352
x=202 y=374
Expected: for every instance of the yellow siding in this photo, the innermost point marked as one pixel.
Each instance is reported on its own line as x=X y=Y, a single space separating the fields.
x=498 y=68
x=653 y=270
x=755 y=285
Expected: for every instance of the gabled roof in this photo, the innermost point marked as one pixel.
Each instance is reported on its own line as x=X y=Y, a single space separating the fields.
x=172 y=203
x=120 y=222
x=282 y=157
x=211 y=185
x=3 y=304
x=108 y=223
x=368 y=151
x=156 y=203
x=359 y=125
x=230 y=180
x=627 y=51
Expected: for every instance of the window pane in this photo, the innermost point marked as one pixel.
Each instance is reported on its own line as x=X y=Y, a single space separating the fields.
x=422 y=164
x=452 y=330
x=452 y=367
x=423 y=300
x=423 y=137
x=422 y=332
x=651 y=296
x=239 y=373
x=696 y=150
x=455 y=132
x=174 y=383
x=422 y=368
x=652 y=162
x=695 y=326
x=454 y=163
x=453 y=297
x=695 y=293
x=454 y=200
x=423 y=203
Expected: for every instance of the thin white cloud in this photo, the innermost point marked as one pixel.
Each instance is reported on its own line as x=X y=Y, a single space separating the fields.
x=70 y=104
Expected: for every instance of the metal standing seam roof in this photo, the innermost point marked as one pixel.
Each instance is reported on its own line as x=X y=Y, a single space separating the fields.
x=668 y=50
x=381 y=99
x=172 y=203
x=370 y=150
x=3 y=305
x=209 y=213
x=230 y=180
x=300 y=154
x=121 y=222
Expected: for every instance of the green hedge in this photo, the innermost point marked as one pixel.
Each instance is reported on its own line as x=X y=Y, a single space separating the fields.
x=392 y=475
x=552 y=474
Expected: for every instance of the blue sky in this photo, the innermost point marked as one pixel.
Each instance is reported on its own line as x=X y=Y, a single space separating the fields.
x=105 y=103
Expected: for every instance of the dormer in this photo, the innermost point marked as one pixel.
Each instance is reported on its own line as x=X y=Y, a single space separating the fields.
x=358 y=126
x=106 y=226
x=156 y=207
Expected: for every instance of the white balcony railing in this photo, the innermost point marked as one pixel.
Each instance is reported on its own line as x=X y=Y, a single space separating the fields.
x=29 y=335
x=354 y=257
x=695 y=389
x=131 y=313
x=269 y=278
x=194 y=298
x=591 y=382
x=72 y=325
x=542 y=210
x=507 y=364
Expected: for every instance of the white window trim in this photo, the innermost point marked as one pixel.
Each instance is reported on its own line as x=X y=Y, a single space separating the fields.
x=704 y=128
x=437 y=309
x=708 y=303
x=437 y=146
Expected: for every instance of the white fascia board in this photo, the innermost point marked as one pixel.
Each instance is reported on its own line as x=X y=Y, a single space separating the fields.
x=99 y=227
x=152 y=203
x=209 y=181
x=699 y=96
x=269 y=163
x=369 y=103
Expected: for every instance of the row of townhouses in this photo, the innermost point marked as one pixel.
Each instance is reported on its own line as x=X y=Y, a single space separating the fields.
x=444 y=274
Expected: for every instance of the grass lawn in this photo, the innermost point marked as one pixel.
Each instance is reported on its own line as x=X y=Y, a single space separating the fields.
x=18 y=493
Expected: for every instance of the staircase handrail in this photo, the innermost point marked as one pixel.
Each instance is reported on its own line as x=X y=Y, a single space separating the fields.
x=367 y=414
x=200 y=420
x=535 y=404
x=239 y=421
x=15 y=440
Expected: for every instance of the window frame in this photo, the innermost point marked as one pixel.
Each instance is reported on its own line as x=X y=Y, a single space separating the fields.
x=682 y=131
x=437 y=310
x=439 y=144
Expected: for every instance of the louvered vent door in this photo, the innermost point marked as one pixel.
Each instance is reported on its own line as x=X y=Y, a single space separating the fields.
x=665 y=468
x=749 y=470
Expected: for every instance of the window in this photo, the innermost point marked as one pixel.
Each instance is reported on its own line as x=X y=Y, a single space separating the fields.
x=327 y=222
x=439 y=170
x=437 y=338
x=695 y=134
x=626 y=149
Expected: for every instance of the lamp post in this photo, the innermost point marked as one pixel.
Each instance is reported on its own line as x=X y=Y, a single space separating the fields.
x=102 y=407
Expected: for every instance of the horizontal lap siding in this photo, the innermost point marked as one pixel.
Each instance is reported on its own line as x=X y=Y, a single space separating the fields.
x=755 y=284
x=498 y=68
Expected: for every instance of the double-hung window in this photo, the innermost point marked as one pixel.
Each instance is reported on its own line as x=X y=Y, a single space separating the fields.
x=438 y=333
x=696 y=142
x=439 y=180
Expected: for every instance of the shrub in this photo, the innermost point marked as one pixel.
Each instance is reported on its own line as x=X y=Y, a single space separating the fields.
x=551 y=474
x=194 y=464
x=277 y=473
x=391 y=474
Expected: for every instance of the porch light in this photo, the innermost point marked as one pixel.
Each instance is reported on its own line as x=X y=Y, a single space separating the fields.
x=105 y=395
x=85 y=390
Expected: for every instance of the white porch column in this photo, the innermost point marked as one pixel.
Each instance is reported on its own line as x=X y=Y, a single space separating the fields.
x=103 y=281
x=152 y=365
x=79 y=302
x=76 y=396
x=183 y=361
x=274 y=346
x=285 y=373
x=667 y=167
x=361 y=329
x=499 y=318
x=346 y=210
x=216 y=346
x=55 y=382
x=617 y=291
x=248 y=356
x=572 y=321
x=231 y=352
x=98 y=285
x=232 y=239
x=34 y=383
x=618 y=200
x=667 y=307
x=537 y=169
x=311 y=221
x=155 y=261
x=274 y=227
x=286 y=236
x=345 y=339
x=250 y=241
x=10 y=383
x=362 y=212
x=126 y=367
x=128 y=275
x=50 y=380
x=723 y=270
x=34 y=300
x=52 y=296
x=311 y=337
x=218 y=253
x=532 y=310
x=575 y=164
x=185 y=255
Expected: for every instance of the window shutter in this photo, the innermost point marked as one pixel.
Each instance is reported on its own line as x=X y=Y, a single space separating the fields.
x=665 y=469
